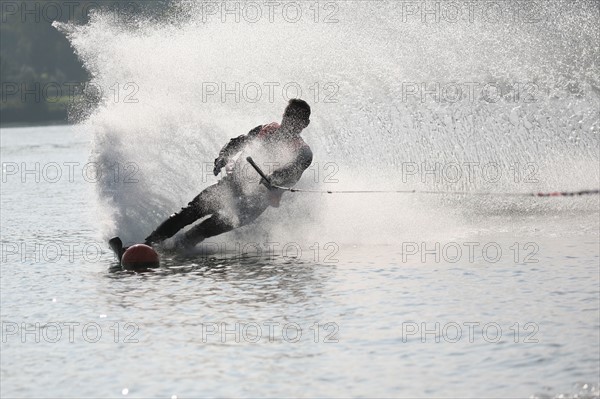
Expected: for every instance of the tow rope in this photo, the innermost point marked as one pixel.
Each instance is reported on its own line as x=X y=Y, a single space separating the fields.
x=265 y=180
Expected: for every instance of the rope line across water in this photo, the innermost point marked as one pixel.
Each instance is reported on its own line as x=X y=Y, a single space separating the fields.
x=546 y=194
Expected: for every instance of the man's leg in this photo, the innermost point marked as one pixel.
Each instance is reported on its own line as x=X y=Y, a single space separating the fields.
x=212 y=226
x=173 y=224
x=219 y=224
x=198 y=208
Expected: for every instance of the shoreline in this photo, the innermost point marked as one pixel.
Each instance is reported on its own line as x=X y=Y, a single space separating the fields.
x=11 y=125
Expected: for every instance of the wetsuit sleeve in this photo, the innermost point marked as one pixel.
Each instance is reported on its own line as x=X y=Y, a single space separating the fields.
x=234 y=146
x=290 y=174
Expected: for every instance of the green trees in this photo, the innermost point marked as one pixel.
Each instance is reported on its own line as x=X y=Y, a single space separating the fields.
x=38 y=69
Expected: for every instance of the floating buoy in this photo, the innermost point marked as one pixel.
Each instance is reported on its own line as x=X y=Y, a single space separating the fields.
x=139 y=256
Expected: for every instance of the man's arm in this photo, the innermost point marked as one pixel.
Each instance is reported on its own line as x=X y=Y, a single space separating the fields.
x=290 y=174
x=234 y=146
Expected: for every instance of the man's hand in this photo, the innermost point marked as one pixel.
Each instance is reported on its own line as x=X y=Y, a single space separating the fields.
x=219 y=163
x=275 y=197
x=266 y=183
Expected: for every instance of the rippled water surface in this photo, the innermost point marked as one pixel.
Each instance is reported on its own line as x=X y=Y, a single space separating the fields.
x=332 y=319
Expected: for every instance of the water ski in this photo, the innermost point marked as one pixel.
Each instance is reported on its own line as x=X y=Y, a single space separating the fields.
x=135 y=257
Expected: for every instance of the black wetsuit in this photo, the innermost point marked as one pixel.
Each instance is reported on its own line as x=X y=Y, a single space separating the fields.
x=238 y=198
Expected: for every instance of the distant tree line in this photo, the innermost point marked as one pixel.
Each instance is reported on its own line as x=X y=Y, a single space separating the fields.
x=36 y=60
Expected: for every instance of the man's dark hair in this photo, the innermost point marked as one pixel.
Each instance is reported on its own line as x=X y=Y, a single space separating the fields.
x=297 y=109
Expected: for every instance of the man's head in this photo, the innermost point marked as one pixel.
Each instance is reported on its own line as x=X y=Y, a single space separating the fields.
x=296 y=115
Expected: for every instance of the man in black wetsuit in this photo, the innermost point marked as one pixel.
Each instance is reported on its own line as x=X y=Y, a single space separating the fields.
x=238 y=198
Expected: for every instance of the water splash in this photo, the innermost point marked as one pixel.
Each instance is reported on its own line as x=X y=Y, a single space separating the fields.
x=393 y=98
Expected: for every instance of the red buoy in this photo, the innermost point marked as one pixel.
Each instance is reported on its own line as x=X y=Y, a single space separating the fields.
x=139 y=256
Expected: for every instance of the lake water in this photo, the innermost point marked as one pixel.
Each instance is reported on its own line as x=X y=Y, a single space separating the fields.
x=497 y=304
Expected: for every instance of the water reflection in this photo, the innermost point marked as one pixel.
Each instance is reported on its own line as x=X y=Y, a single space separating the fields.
x=231 y=278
